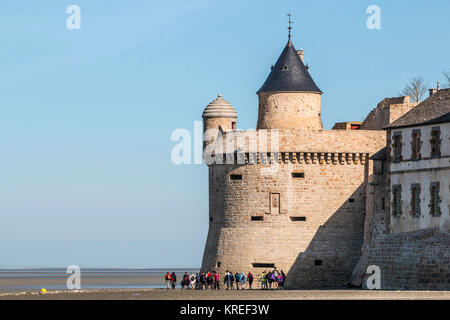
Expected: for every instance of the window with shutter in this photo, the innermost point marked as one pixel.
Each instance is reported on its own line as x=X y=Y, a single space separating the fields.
x=397 y=146
x=435 y=199
x=415 y=200
x=415 y=144
x=435 y=142
x=396 y=200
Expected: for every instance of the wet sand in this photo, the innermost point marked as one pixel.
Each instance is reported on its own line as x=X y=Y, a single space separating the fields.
x=162 y=294
x=35 y=284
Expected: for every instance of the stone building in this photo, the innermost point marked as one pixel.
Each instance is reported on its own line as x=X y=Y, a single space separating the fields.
x=407 y=222
x=418 y=166
x=289 y=194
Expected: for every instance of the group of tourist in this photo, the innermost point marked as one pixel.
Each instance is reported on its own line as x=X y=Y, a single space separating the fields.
x=211 y=280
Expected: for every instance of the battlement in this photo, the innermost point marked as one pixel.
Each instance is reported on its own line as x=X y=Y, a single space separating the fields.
x=288 y=141
x=293 y=158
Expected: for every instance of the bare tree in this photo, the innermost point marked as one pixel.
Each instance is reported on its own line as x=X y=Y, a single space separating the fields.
x=416 y=89
x=447 y=78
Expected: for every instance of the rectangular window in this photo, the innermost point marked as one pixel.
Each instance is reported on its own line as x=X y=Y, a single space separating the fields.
x=218 y=264
x=415 y=145
x=298 y=174
x=435 y=199
x=415 y=200
x=263 y=265
x=274 y=203
x=235 y=176
x=351 y=200
x=298 y=218
x=435 y=142
x=396 y=200
x=317 y=262
x=397 y=146
x=257 y=218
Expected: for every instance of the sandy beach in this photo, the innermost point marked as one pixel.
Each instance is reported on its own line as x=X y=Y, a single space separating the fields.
x=162 y=294
x=148 y=284
x=32 y=280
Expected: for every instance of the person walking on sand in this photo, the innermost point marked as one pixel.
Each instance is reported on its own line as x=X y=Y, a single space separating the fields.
x=269 y=279
x=275 y=276
x=263 y=280
x=197 y=281
x=231 y=277
x=192 y=279
x=274 y=280
x=209 y=280
x=168 y=279
x=213 y=281
x=237 y=277
x=173 y=280
x=283 y=279
x=203 y=281
x=243 y=279
x=217 y=281
x=185 y=282
x=226 y=280
x=280 y=282
x=250 y=280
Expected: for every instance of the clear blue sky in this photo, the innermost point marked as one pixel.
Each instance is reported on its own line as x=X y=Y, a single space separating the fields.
x=86 y=115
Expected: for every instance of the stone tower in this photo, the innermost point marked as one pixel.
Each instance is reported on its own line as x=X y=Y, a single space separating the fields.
x=304 y=215
x=289 y=99
x=219 y=115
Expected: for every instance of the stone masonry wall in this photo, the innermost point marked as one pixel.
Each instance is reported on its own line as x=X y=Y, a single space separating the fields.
x=289 y=110
x=315 y=232
x=387 y=111
x=410 y=260
x=332 y=141
x=214 y=123
x=398 y=110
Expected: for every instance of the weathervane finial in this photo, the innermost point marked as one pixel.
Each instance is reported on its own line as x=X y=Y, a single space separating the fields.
x=289 y=24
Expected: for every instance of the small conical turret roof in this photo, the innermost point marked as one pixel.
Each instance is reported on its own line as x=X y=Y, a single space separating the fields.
x=219 y=108
x=289 y=74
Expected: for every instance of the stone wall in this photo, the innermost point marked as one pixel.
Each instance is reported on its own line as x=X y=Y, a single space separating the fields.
x=398 y=110
x=289 y=110
x=315 y=232
x=412 y=260
x=409 y=260
x=212 y=125
x=387 y=111
x=333 y=141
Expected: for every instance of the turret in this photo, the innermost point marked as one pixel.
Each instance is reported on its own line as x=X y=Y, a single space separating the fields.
x=289 y=99
x=219 y=115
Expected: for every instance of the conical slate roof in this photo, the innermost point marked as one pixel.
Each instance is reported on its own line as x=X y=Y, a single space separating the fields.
x=289 y=74
x=219 y=108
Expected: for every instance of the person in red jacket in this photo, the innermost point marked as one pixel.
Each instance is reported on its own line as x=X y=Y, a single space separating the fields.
x=250 y=279
x=216 y=281
x=209 y=280
x=168 y=279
